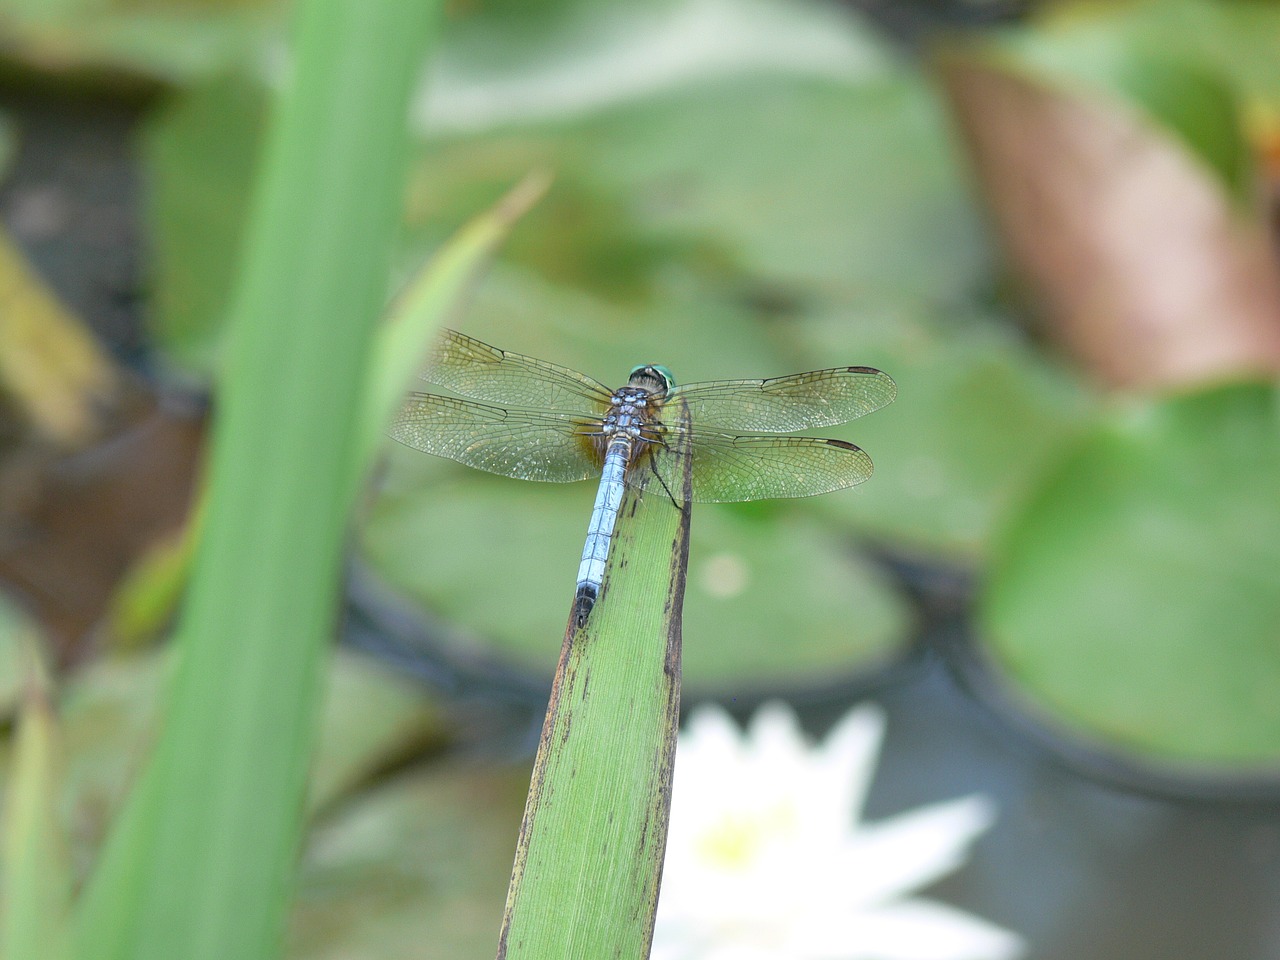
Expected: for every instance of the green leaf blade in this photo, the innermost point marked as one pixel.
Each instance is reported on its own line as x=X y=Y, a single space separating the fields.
x=201 y=863
x=585 y=881
x=37 y=872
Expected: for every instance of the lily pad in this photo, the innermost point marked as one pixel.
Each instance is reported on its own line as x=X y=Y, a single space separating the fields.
x=416 y=868
x=111 y=714
x=1134 y=601
x=697 y=336
x=130 y=44
x=757 y=188
x=524 y=62
x=753 y=182
x=978 y=418
x=371 y=719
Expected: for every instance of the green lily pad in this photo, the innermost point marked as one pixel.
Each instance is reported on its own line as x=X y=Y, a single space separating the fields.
x=1135 y=600
x=790 y=149
x=111 y=714
x=516 y=61
x=371 y=718
x=772 y=599
x=751 y=182
x=776 y=596
x=697 y=336
x=131 y=44
x=764 y=188
x=417 y=868
x=979 y=416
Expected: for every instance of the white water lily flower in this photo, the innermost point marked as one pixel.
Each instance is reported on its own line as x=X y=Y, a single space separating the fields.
x=767 y=859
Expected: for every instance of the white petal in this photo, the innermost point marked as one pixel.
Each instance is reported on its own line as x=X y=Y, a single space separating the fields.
x=913 y=849
x=920 y=930
x=778 y=759
x=845 y=761
x=739 y=951
x=709 y=727
x=774 y=734
x=766 y=859
x=710 y=762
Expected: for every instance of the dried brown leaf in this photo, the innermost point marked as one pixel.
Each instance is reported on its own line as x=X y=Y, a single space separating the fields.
x=1144 y=268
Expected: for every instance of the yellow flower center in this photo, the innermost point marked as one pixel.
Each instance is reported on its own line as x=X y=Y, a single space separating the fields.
x=737 y=838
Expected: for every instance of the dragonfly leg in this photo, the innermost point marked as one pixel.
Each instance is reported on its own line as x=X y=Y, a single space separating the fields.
x=662 y=442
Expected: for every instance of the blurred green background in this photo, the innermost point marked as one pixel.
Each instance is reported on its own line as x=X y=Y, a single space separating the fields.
x=1053 y=224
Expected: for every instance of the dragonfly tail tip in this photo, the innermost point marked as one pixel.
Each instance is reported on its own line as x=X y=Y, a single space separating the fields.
x=583 y=601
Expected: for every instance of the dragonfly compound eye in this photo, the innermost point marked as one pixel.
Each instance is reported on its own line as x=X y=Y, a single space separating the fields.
x=657 y=374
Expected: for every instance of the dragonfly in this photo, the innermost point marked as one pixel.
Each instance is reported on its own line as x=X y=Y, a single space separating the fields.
x=534 y=420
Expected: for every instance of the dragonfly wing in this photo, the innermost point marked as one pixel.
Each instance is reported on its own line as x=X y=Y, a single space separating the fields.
x=524 y=444
x=820 y=398
x=476 y=370
x=727 y=469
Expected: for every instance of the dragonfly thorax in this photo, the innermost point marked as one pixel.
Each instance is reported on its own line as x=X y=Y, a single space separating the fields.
x=631 y=414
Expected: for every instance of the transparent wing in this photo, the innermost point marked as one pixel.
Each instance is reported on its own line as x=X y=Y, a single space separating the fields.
x=476 y=370
x=820 y=398
x=524 y=444
x=728 y=468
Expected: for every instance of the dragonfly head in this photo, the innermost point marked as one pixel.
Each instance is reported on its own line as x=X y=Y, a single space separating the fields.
x=657 y=379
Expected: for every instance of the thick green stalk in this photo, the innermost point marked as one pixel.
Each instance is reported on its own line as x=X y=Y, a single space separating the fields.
x=199 y=867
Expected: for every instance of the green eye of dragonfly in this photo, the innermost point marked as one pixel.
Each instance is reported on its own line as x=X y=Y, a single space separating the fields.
x=653 y=369
x=530 y=418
